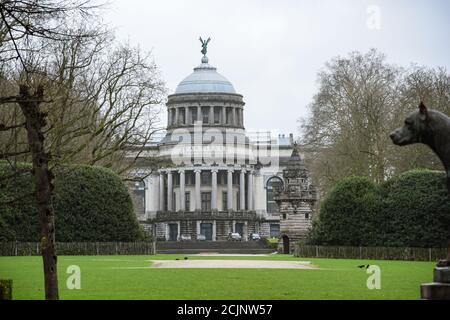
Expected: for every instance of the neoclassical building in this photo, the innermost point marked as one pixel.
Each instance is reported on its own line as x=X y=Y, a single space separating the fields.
x=213 y=177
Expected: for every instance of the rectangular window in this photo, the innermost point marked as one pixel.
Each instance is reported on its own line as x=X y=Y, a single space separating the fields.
x=206 y=201
x=174 y=201
x=182 y=116
x=189 y=178
x=206 y=178
x=236 y=178
x=274 y=230
x=228 y=115
x=193 y=112
x=222 y=178
x=187 y=201
x=205 y=115
x=224 y=200
x=217 y=111
x=272 y=207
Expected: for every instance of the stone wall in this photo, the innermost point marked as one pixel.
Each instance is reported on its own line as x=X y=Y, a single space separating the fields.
x=295 y=223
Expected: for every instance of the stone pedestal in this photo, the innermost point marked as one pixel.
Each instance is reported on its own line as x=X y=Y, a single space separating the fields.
x=440 y=288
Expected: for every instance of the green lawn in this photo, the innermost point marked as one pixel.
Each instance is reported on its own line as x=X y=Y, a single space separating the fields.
x=101 y=279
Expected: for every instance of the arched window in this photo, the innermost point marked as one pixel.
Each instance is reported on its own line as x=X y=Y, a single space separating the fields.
x=272 y=184
x=138 y=196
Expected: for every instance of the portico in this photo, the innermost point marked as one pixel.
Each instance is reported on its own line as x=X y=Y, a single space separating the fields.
x=205 y=188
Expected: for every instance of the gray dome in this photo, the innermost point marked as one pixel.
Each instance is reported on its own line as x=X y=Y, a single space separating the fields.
x=205 y=78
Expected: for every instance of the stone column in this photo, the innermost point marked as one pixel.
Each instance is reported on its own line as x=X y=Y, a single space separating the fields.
x=214 y=231
x=169 y=191
x=250 y=190
x=230 y=189
x=198 y=203
x=176 y=121
x=233 y=113
x=214 y=189
x=242 y=189
x=169 y=111
x=199 y=114
x=224 y=115
x=211 y=115
x=182 y=190
x=161 y=191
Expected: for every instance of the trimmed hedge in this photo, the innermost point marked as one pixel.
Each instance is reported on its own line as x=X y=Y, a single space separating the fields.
x=343 y=215
x=417 y=208
x=410 y=210
x=91 y=204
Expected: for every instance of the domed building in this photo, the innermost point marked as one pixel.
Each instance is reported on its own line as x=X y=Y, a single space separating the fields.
x=213 y=178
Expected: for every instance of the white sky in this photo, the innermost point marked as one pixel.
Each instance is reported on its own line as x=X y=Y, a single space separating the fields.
x=272 y=50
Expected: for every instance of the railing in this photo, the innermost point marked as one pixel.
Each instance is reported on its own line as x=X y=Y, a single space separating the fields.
x=379 y=253
x=167 y=215
x=78 y=248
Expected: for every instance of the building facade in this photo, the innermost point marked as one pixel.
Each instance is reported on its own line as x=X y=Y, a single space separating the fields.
x=213 y=178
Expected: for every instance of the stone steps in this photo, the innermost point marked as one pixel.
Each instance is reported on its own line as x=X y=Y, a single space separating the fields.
x=227 y=247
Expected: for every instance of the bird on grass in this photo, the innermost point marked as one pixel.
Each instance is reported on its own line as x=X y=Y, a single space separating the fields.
x=177 y=259
x=185 y=258
x=361 y=266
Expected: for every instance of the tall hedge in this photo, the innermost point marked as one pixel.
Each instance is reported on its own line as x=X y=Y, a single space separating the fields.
x=411 y=209
x=91 y=204
x=416 y=210
x=343 y=215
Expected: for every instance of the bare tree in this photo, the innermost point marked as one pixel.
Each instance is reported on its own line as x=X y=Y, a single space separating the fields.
x=360 y=99
x=23 y=26
x=113 y=104
x=350 y=114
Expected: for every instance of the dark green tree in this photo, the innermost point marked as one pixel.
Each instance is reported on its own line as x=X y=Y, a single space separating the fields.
x=91 y=204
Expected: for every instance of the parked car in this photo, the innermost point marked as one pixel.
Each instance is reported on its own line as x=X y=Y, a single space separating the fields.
x=201 y=237
x=185 y=237
x=234 y=236
x=254 y=237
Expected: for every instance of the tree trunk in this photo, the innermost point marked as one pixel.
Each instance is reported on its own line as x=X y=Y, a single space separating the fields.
x=35 y=121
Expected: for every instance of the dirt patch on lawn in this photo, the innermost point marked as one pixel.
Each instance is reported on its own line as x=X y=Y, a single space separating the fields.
x=237 y=264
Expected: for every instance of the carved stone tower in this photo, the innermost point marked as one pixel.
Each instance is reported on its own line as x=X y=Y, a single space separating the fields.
x=296 y=200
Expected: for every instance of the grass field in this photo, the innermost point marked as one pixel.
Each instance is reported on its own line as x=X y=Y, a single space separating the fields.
x=102 y=278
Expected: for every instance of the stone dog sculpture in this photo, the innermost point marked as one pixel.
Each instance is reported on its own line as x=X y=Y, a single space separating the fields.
x=429 y=127
x=432 y=128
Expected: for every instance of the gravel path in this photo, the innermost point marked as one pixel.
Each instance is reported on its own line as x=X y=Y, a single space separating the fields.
x=232 y=264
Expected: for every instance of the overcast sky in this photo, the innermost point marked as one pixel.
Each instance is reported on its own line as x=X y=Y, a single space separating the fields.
x=272 y=50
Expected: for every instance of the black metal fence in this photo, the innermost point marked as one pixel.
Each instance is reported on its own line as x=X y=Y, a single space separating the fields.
x=78 y=248
x=378 y=253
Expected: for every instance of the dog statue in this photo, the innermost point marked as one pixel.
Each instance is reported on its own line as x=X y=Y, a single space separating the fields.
x=429 y=127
